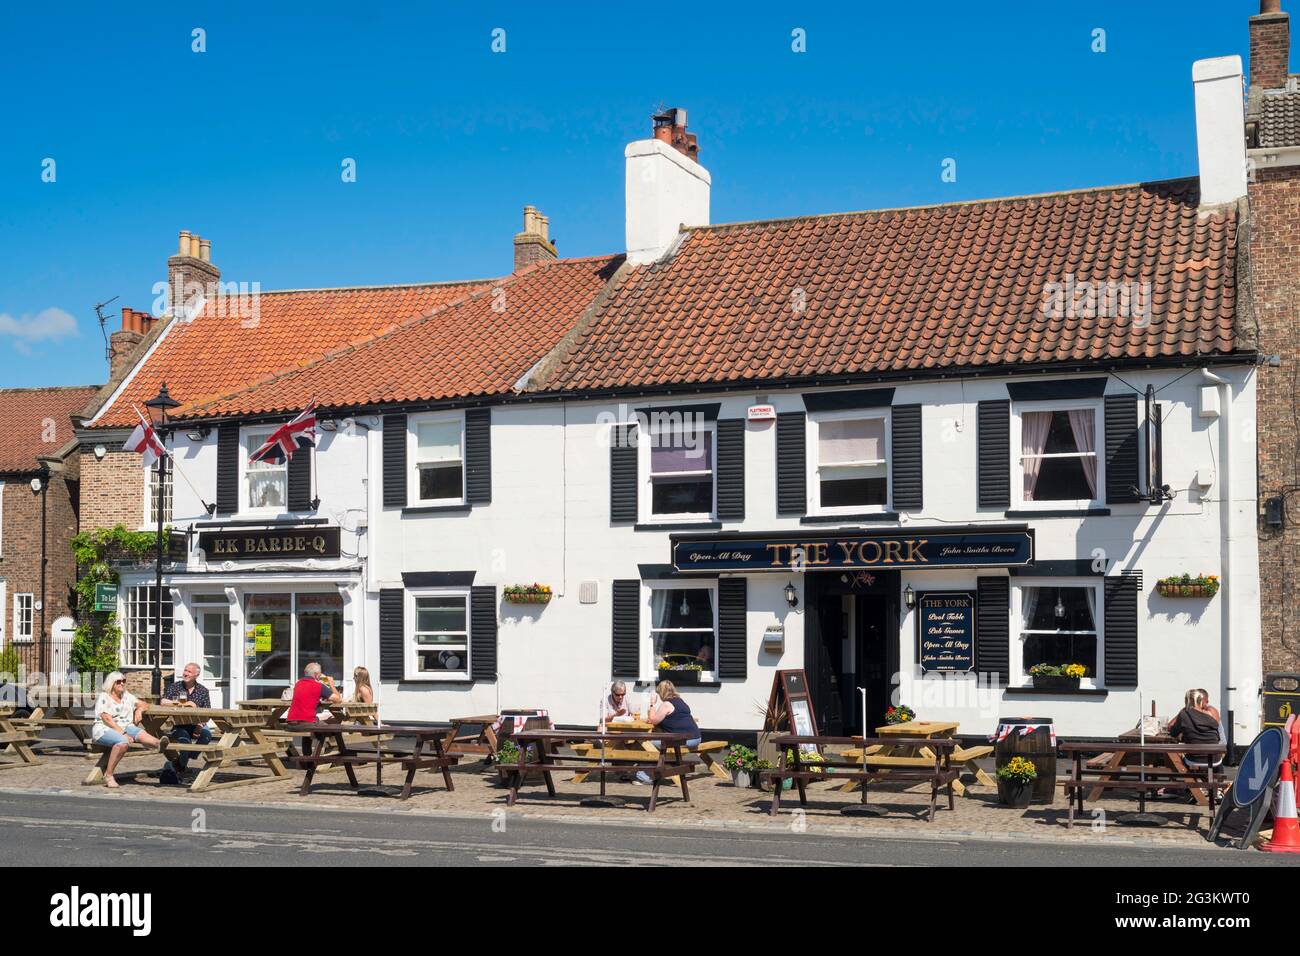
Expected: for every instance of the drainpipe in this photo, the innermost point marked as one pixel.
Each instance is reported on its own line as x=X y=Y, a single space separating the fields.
x=44 y=480
x=1226 y=486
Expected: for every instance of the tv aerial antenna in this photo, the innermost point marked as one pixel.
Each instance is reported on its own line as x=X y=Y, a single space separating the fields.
x=103 y=328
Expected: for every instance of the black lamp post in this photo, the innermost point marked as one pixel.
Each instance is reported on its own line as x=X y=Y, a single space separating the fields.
x=158 y=407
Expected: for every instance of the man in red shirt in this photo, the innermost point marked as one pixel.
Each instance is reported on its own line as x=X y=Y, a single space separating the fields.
x=309 y=694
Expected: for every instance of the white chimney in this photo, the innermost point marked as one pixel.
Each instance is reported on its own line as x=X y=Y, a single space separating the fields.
x=667 y=188
x=1220 y=129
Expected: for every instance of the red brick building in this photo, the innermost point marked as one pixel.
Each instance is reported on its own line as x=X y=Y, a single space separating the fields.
x=39 y=504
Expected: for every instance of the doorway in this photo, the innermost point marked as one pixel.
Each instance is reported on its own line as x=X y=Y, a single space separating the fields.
x=852 y=642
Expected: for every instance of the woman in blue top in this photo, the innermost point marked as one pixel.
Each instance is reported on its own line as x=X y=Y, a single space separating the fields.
x=672 y=715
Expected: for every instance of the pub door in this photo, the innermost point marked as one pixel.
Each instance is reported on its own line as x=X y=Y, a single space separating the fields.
x=852 y=642
x=824 y=666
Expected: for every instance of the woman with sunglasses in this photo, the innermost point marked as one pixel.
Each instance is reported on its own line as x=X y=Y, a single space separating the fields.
x=117 y=723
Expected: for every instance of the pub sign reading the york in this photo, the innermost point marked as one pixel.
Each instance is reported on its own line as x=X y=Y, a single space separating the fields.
x=945 y=631
x=310 y=542
x=921 y=548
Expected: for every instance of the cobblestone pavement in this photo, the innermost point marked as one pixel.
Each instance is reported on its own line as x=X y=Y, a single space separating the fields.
x=713 y=802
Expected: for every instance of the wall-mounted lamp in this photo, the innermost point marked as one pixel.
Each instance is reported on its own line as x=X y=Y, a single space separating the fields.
x=36 y=486
x=909 y=597
x=198 y=434
x=327 y=424
x=100 y=452
x=791 y=595
x=1275 y=512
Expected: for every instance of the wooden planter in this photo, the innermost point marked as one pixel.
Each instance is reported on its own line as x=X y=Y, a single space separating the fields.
x=681 y=677
x=529 y=597
x=1173 y=589
x=1059 y=682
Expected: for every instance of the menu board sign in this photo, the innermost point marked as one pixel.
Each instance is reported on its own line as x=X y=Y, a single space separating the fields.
x=945 y=626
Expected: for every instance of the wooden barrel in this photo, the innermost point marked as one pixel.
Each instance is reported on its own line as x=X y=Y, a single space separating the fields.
x=1016 y=739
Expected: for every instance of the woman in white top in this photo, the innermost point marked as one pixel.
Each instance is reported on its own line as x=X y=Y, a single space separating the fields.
x=117 y=717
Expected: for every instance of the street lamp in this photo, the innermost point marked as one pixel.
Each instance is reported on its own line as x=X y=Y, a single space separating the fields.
x=158 y=407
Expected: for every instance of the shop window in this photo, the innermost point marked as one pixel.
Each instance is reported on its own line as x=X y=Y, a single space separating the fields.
x=683 y=629
x=678 y=465
x=151 y=497
x=850 y=461
x=439 y=460
x=285 y=632
x=1058 y=455
x=266 y=483
x=439 y=646
x=138 y=629
x=23 y=608
x=1058 y=625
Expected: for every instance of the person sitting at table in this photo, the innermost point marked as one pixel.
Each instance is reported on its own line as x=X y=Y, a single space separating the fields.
x=117 y=723
x=616 y=702
x=1195 y=724
x=186 y=692
x=362 y=692
x=1212 y=710
x=310 y=694
x=672 y=715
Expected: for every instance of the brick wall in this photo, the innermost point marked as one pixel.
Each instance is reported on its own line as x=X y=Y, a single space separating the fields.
x=20 y=559
x=1270 y=48
x=112 y=490
x=1275 y=289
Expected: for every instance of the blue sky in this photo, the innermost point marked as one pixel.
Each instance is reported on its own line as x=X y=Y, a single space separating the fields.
x=244 y=143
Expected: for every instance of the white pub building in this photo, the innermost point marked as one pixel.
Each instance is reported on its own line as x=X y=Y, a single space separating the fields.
x=914 y=451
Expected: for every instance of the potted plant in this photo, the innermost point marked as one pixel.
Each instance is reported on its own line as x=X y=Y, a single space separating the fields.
x=900 y=714
x=808 y=760
x=1184 y=585
x=680 y=668
x=507 y=754
x=1015 y=782
x=1057 y=676
x=527 y=593
x=742 y=762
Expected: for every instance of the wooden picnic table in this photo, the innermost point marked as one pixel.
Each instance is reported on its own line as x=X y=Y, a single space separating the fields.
x=60 y=706
x=1169 y=770
x=346 y=756
x=240 y=738
x=15 y=742
x=483 y=734
x=275 y=708
x=937 y=770
x=896 y=755
x=706 y=750
x=1111 y=761
x=626 y=755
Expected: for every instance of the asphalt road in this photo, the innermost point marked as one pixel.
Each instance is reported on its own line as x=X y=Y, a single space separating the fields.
x=56 y=829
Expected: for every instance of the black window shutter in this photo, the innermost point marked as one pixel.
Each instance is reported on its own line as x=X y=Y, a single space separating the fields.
x=992 y=627
x=731 y=469
x=622 y=473
x=994 y=454
x=300 y=466
x=627 y=629
x=483 y=632
x=228 y=468
x=1121 y=448
x=791 y=464
x=905 y=454
x=1120 y=637
x=478 y=456
x=732 y=604
x=394 y=461
x=392 y=634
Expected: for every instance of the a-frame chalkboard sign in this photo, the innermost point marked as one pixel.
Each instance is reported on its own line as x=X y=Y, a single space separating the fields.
x=789 y=708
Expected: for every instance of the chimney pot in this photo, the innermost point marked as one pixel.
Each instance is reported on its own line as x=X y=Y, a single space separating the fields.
x=184 y=249
x=666 y=188
x=1270 y=6
x=533 y=244
x=205 y=250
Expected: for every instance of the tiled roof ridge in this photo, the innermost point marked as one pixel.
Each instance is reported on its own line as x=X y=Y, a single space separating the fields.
x=372 y=340
x=7 y=389
x=572 y=339
x=373 y=288
x=957 y=204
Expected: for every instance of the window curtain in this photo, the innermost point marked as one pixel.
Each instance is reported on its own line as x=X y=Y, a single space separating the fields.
x=1034 y=427
x=1081 y=424
x=1028 y=607
x=1091 y=594
x=851 y=441
x=660 y=607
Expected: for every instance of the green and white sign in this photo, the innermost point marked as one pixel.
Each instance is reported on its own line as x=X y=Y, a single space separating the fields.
x=105 y=597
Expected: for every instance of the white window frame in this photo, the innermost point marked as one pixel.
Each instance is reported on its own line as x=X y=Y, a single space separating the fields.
x=409 y=657
x=19 y=637
x=649 y=666
x=413 y=498
x=247 y=447
x=1017 y=470
x=1019 y=675
x=815 y=421
x=645 y=439
x=151 y=497
x=131 y=646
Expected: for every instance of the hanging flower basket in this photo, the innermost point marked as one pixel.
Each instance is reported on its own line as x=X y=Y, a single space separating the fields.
x=527 y=594
x=1204 y=586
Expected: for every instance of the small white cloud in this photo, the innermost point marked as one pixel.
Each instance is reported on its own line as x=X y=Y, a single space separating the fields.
x=48 y=325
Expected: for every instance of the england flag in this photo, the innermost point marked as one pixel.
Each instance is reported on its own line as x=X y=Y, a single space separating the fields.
x=145 y=441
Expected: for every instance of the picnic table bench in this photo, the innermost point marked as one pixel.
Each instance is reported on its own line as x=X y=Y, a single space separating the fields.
x=483 y=734
x=608 y=753
x=705 y=753
x=937 y=769
x=1168 y=771
x=55 y=706
x=344 y=736
x=899 y=756
x=15 y=742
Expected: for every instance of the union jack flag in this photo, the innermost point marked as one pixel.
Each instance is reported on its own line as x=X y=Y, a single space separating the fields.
x=288 y=438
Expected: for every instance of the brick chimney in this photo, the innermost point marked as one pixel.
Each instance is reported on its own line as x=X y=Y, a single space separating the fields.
x=665 y=186
x=534 y=243
x=123 y=343
x=190 y=273
x=1270 y=46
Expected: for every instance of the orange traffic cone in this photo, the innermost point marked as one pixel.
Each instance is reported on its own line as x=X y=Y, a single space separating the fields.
x=1286 y=828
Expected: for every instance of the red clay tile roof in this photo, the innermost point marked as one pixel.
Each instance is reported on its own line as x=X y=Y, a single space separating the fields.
x=216 y=354
x=37 y=421
x=482 y=344
x=904 y=290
